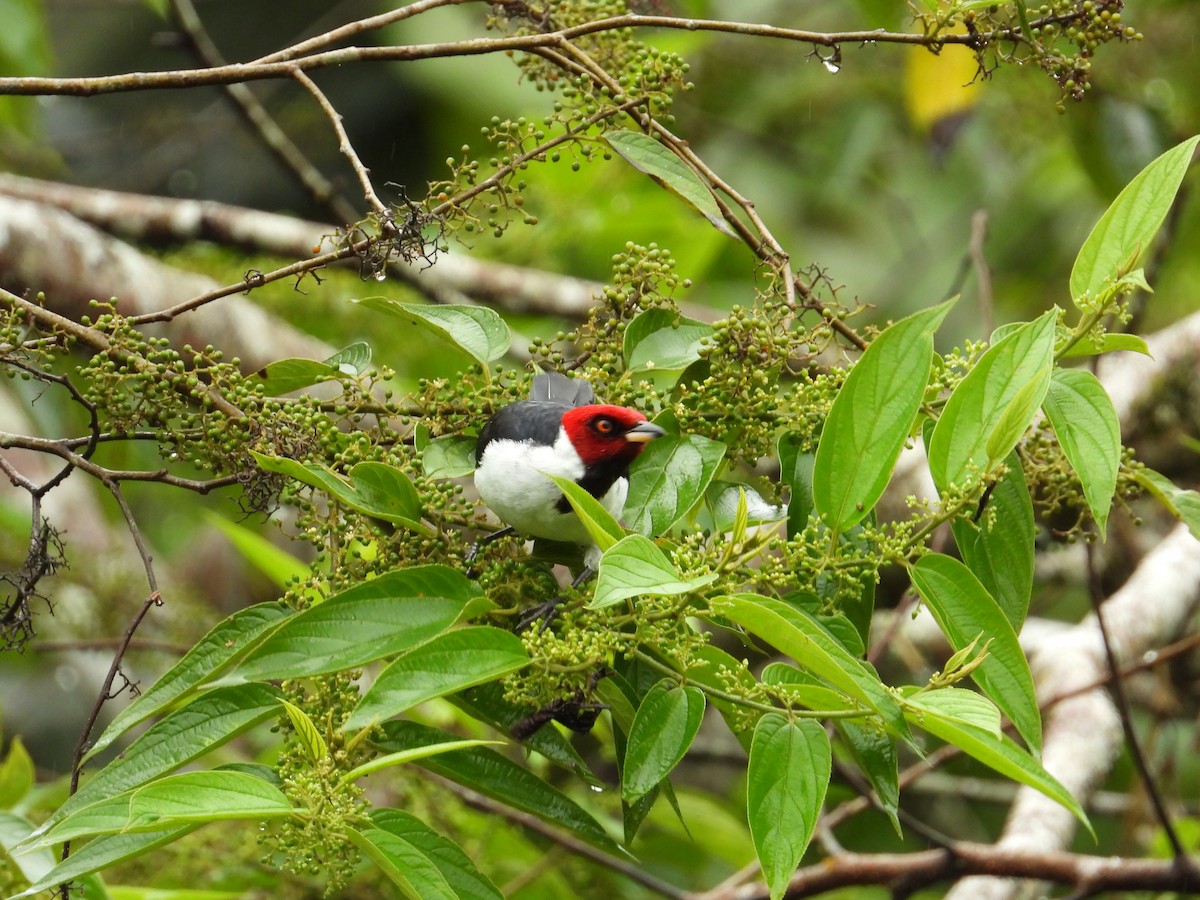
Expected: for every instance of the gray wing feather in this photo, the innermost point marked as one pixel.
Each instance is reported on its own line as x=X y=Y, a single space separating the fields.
x=558 y=388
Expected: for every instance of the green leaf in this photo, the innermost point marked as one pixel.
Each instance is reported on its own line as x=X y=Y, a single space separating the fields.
x=665 y=726
x=647 y=155
x=1119 y=241
x=992 y=405
x=103 y=852
x=871 y=418
x=498 y=777
x=17 y=775
x=404 y=865
x=277 y=564
x=600 y=525
x=634 y=566
x=287 y=375
x=999 y=753
x=306 y=732
x=369 y=621
x=668 y=479
x=214 y=653
x=998 y=548
x=786 y=780
x=801 y=637
x=477 y=330
x=962 y=706
x=1086 y=424
x=449 y=457
x=449 y=662
x=725 y=499
x=875 y=753
x=662 y=340
x=796 y=471
x=187 y=799
x=374 y=489
x=1182 y=504
x=209 y=721
x=1109 y=343
x=352 y=359
x=460 y=873
x=30 y=865
x=406 y=756
x=964 y=610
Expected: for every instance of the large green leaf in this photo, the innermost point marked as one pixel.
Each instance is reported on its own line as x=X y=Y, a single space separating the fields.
x=600 y=525
x=209 y=721
x=1182 y=504
x=786 y=780
x=403 y=863
x=999 y=547
x=1087 y=427
x=189 y=798
x=1119 y=241
x=498 y=777
x=660 y=339
x=103 y=852
x=633 y=567
x=665 y=725
x=369 y=621
x=30 y=865
x=668 y=479
x=214 y=653
x=966 y=612
x=992 y=406
x=647 y=155
x=449 y=457
x=375 y=489
x=871 y=418
x=450 y=662
x=459 y=872
x=477 y=330
x=801 y=637
x=942 y=715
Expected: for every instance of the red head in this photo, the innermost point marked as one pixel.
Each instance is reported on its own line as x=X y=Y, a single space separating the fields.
x=608 y=433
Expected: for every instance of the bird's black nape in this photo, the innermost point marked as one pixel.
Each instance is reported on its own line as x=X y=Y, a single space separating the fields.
x=558 y=388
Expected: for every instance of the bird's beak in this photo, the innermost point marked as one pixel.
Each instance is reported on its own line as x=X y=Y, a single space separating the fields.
x=643 y=433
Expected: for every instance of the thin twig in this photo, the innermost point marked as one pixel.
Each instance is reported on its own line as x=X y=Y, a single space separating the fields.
x=1121 y=701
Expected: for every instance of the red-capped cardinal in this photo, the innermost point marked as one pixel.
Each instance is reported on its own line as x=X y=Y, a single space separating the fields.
x=561 y=431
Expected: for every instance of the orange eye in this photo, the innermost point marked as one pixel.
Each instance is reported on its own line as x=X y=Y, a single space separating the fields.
x=604 y=426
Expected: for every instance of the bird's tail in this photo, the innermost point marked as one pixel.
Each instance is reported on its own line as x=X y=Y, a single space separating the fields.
x=559 y=388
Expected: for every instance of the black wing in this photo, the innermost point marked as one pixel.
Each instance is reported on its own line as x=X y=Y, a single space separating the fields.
x=525 y=420
x=558 y=388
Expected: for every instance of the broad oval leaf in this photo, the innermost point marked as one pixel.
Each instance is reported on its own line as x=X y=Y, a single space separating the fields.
x=999 y=548
x=1087 y=427
x=647 y=155
x=999 y=753
x=498 y=777
x=404 y=864
x=103 y=852
x=209 y=721
x=786 y=780
x=374 y=489
x=450 y=662
x=668 y=479
x=964 y=610
x=871 y=418
x=635 y=566
x=449 y=457
x=801 y=637
x=287 y=375
x=993 y=404
x=228 y=641
x=467 y=882
x=662 y=339
x=601 y=526
x=477 y=330
x=1120 y=239
x=369 y=621
x=663 y=728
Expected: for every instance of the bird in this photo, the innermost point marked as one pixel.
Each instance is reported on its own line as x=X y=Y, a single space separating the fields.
x=560 y=430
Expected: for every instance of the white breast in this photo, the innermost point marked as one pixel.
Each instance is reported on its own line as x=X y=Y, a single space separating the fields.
x=511 y=479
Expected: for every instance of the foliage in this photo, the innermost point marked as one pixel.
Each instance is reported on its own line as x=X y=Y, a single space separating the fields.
x=373 y=476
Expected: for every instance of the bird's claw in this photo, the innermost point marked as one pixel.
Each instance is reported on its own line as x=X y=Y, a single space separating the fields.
x=547 y=612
